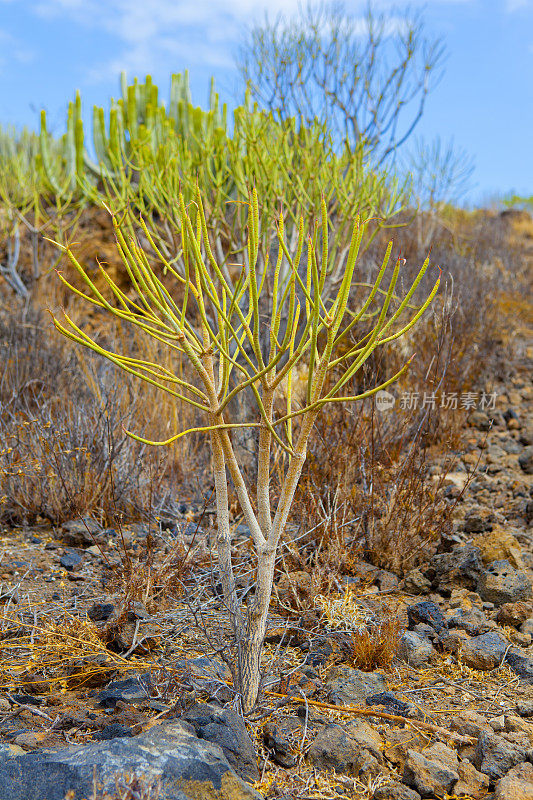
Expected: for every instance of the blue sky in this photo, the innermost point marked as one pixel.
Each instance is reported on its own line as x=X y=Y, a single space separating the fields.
x=50 y=48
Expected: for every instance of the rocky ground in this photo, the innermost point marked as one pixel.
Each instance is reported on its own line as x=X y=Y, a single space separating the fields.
x=104 y=695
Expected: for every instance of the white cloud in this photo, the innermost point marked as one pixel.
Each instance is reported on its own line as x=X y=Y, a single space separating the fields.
x=516 y=5
x=152 y=32
x=13 y=50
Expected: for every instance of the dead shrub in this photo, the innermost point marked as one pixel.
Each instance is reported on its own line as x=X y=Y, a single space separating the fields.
x=64 y=452
x=374 y=635
x=376 y=645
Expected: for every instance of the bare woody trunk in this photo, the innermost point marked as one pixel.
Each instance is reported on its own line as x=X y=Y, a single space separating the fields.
x=249 y=666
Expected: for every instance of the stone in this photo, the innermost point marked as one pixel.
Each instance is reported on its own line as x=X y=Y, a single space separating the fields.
x=461 y=567
x=484 y=652
x=279 y=749
x=495 y=756
x=514 y=614
x=81 y=532
x=473 y=621
x=392 y=703
x=113 y=731
x=525 y=709
x=515 y=724
x=224 y=727
x=441 y=752
x=186 y=767
x=521 y=665
x=479 y=420
x=352 y=749
x=428 y=613
x=471 y=783
x=30 y=740
x=430 y=778
x=415 y=582
x=128 y=690
x=395 y=791
x=500 y=583
x=498 y=545
x=478 y=519
x=71 y=560
x=415 y=650
x=470 y=723
x=517 y=784
x=101 y=612
x=205 y=674
x=453 y=641
x=346 y=686
x=525 y=460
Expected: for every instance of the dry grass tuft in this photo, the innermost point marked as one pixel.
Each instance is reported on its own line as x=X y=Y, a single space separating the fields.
x=57 y=656
x=375 y=636
x=376 y=645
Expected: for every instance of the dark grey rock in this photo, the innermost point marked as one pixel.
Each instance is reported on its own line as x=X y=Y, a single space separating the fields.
x=279 y=749
x=415 y=650
x=186 y=767
x=484 y=652
x=113 y=731
x=525 y=460
x=495 y=755
x=70 y=560
x=430 y=778
x=501 y=583
x=415 y=582
x=346 y=686
x=472 y=620
x=520 y=664
x=428 y=613
x=101 y=612
x=128 y=690
x=479 y=420
x=353 y=749
x=461 y=568
x=525 y=709
x=188 y=529
x=392 y=703
x=395 y=791
x=81 y=532
x=224 y=727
